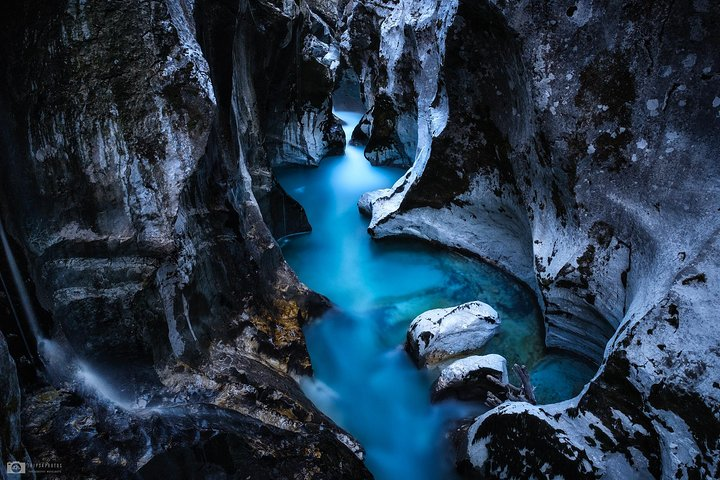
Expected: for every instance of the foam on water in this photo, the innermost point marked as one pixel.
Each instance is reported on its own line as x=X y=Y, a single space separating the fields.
x=363 y=378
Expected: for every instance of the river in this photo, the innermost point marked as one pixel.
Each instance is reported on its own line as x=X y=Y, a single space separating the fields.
x=363 y=378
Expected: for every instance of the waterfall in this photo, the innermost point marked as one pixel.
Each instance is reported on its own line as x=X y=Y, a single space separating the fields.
x=15 y=315
x=21 y=290
x=59 y=361
x=52 y=356
x=94 y=383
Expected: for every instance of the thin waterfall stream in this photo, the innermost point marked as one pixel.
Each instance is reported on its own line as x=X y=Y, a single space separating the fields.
x=364 y=380
x=58 y=360
x=22 y=292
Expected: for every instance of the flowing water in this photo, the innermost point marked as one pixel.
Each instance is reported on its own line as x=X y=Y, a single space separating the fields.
x=25 y=301
x=59 y=361
x=363 y=378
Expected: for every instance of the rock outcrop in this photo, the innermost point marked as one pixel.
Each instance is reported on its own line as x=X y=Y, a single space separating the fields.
x=389 y=127
x=466 y=379
x=441 y=334
x=572 y=145
x=251 y=421
x=295 y=85
x=137 y=152
x=11 y=448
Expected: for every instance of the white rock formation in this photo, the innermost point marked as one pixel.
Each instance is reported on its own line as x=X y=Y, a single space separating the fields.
x=367 y=199
x=467 y=378
x=565 y=167
x=443 y=333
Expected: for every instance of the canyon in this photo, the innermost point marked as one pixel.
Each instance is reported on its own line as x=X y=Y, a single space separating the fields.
x=151 y=325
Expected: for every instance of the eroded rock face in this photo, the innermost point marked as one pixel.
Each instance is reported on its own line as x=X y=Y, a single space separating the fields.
x=240 y=420
x=138 y=189
x=371 y=30
x=295 y=84
x=101 y=146
x=573 y=145
x=466 y=379
x=653 y=410
x=444 y=333
x=11 y=448
x=367 y=199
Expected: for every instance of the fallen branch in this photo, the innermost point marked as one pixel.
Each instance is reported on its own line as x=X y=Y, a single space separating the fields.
x=511 y=392
x=524 y=377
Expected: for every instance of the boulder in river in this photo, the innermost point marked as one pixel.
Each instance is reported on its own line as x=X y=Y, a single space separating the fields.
x=467 y=378
x=367 y=199
x=444 y=333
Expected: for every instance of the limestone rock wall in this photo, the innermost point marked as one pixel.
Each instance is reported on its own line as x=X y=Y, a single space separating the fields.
x=295 y=85
x=574 y=145
x=11 y=448
x=382 y=43
x=137 y=188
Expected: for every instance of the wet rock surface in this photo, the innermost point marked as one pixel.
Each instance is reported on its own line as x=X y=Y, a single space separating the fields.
x=11 y=447
x=444 y=333
x=198 y=437
x=294 y=86
x=389 y=127
x=466 y=379
x=141 y=205
x=573 y=146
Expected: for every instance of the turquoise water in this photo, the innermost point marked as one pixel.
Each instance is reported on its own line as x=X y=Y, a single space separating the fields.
x=363 y=378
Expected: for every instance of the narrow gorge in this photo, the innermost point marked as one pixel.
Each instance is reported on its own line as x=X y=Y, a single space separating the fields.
x=324 y=239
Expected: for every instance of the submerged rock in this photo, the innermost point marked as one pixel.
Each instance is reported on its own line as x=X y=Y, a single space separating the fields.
x=444 y=333
x=466 y=379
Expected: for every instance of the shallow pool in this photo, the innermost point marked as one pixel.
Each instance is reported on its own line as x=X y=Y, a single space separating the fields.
x=363 y=378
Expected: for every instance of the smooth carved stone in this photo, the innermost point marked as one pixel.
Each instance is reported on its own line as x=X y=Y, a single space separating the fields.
x=146 y=217
x=367 y=199
x=440 y=334
x=467 y=378
x=603 y=246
